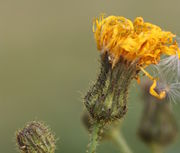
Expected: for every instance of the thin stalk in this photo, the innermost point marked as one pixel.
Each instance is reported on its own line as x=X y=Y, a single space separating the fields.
x=94 y=138
x=119 y=140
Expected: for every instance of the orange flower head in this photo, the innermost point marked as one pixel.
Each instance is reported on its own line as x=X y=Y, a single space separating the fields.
x=136 y=42
x=133 y=41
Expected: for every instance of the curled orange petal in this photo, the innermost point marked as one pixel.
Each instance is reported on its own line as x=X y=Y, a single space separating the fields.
x=152 y=91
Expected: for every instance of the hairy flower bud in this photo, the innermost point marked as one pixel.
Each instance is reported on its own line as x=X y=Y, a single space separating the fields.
x=35 y=137
x=158 y=125
x=107 y=99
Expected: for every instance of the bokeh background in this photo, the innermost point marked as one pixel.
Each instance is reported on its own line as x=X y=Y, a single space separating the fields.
x=48 y=59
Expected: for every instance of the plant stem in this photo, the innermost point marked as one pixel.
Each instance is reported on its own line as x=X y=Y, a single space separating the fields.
x=119 y=140
x=94 y=138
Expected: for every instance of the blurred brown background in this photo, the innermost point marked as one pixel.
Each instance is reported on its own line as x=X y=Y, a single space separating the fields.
x=48 y=59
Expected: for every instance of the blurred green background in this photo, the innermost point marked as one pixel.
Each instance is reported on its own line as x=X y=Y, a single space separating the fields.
x=48 y=59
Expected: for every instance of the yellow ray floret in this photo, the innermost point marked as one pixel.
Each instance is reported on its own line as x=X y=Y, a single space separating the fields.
x=140 y=42
x=135 y=41
x=161 y=94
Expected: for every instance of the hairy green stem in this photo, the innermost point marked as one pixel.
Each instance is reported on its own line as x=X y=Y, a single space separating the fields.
x=119 y=140
x=94 y=138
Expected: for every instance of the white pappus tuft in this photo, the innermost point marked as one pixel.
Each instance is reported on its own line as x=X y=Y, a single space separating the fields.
x=168 y=74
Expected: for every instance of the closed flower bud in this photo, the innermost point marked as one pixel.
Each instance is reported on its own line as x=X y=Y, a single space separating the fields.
x=158 y=125
x=35 y=137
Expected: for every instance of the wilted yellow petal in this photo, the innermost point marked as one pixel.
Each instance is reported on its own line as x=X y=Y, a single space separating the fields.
x=152 y=91
x=136 y=40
